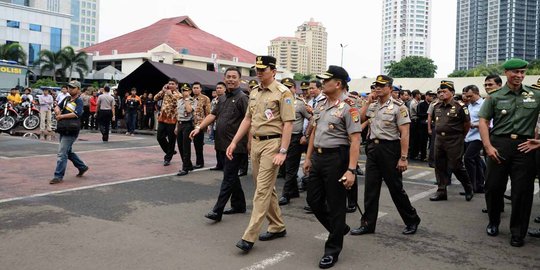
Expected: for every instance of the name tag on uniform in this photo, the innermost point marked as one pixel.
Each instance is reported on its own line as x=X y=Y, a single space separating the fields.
x=269 y=114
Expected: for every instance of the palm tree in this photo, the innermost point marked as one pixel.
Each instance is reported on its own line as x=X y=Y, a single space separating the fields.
x=74 y=62
x=14 y=52
x=51 y=61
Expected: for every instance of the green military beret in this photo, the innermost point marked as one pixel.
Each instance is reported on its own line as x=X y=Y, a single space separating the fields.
x=515 y=63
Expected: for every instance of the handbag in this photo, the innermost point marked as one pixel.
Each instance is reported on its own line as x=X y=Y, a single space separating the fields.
x=68 y=126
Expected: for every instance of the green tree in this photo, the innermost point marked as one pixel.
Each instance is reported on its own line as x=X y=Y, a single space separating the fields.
x=44 y=82
x=458 y=73
x=302 y=77
x=412 y=67
x=51 y=61
x=74 y=61
x=14 y=52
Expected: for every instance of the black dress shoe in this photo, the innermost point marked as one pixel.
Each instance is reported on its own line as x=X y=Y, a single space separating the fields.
x=242 y=173
x=537 y=219
x=82 y=171
x=308 y=209
x=244 y=245
x=327 y=261
x=351 y=209
x=283 y=201
x=439 y=196
x=213 y=216
x=516 y=241
x=166 y=162
x=492 y=229
x=469 y=196
x=267 y=236
x=216 y=169
x=462 y=193
x=347 y=229
x=534 y=233
x=362 y=230
x=182 y=173
x=411 y=229
x=231 y=211
x=198 y=166
x=484 y=210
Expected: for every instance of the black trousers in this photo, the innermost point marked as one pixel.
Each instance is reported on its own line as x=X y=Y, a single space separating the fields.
x=148 y=120
x=104 y=120
x=474 y=164
x=414 y=139
x=291 y=165
x=327 y=196
x=85 y=117
x=244 y=164
x=521 y=169
x=381 y=163
x=221 y=157
x=198 y=142
x=184 y=144
x=449 y=159
x=231 y=186
x=431 y=156
x=423 y=137
x=166 y=139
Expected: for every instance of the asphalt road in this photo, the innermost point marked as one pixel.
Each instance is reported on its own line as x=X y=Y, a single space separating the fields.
x=130 y=212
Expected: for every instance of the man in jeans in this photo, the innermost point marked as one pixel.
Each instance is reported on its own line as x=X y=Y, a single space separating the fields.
x=167 y=119
x=72 y=107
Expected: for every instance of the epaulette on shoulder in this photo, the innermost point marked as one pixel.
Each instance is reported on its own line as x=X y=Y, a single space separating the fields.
x=350 y=101
x=397 y=102
x=283 y=88
x=493 y=91
x=461 y=103
x=301 y=99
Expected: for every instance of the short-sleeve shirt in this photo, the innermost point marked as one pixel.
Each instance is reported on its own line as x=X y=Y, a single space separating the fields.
x=301 y=114
x=450 y=117
x=201 y=108
x=334 y=122
x=182 y=114
x=229 y=111
x=512 y=113
x=385 y=119
x=269 y=108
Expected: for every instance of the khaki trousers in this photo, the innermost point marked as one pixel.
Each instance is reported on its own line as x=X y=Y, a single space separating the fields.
x=265 y=200
x=45 y=120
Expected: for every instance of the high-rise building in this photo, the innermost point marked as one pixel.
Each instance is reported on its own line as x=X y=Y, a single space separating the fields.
x=492 y=31
x=406 y=30
x=291 y=53
x=315 y=37
x=84 y=17
x=34 y=29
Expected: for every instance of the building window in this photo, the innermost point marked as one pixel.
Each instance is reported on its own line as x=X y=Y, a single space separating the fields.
x=35 y=27
x=21 y=2
x=56 y=39
x=33 y=54
x=13 y=24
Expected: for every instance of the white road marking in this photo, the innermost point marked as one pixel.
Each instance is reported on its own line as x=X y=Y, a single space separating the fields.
x=87 y=151
x=277 y=258
x=92 y=186
x=419 y=175
x=421 y=195
x=322 y=236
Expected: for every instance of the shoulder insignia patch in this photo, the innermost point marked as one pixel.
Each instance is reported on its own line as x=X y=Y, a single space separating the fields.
x=397 y=102
x=355 y=115
x=350 y=101
x=465 y=110
x=403 y=111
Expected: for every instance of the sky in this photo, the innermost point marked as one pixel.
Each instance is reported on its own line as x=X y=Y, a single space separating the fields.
x=252 y=24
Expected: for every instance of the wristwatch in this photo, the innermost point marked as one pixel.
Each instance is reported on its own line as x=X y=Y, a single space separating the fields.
x=403 y=158
x=197 y=127
x=283 y=151
x=352 y=170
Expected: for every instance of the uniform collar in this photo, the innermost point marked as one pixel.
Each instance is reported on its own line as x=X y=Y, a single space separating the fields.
x=271 y=87
x=505 y=90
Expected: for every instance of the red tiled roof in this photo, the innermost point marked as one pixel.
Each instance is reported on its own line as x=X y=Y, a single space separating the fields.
x=179 y=33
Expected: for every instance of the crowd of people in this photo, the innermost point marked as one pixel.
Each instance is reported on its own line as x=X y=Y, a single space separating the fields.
x=483 y=141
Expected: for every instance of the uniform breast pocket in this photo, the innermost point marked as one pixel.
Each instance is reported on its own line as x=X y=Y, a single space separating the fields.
x=388 y=117
x=504 y=108
x=272 y=105
x=530 y=105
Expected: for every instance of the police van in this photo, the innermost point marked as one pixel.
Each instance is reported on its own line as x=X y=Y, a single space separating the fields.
x=11 y=75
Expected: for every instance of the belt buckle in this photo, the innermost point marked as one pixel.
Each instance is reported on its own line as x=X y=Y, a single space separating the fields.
x=376 y=141
x=442 y=133
x=319 y=150
x=513 y=136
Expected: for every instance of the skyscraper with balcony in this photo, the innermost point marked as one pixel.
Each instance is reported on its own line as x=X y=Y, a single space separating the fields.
x=406 y=30
x=492 y=31
x=291 y=53
x=314 y=35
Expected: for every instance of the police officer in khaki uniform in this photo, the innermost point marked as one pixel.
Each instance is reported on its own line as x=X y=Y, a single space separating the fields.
x=514 y=111
x=331 y=159
x=183 y=128
x=269 y=119
x=294 y=153
x=386 y=151
x=452 y=123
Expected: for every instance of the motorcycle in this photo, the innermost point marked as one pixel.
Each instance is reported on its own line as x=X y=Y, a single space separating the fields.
x=8 y=117
x=30 y=117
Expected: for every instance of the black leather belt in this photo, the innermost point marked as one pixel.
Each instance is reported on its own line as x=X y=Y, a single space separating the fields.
x=187 y=122
x=268 y=137
x=515 y=136
x=321 y=150
x=379 y=141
